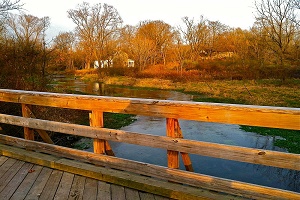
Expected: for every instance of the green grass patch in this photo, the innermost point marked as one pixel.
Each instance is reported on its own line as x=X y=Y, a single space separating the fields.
x=288 y=139
x=117 y=120
x=218 y=100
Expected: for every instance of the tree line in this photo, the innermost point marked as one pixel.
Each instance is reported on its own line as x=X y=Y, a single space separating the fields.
x=199 y=47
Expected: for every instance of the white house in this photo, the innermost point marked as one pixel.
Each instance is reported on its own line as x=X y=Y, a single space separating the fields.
x=109 y=63
x=130 y=63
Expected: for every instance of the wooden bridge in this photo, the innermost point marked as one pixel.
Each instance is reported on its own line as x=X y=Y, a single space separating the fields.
x=43 y=170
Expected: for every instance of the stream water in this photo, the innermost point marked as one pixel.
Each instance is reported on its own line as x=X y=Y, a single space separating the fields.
x=201 y=131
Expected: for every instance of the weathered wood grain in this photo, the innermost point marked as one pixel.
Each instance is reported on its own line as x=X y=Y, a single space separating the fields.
x=31 y=174
x=118 y=192
x=146 y=196
x=38 y=186
x=64 y=187
x=51 y=185
x=14 y=183
x=104 y=192
x=77 y=188
x=160 y=198
x=90 y=189
x=96 y=120
x=28 y=132
x=132 y=194
x=6 y=166
x=173 y=156
x=10 y=173
x=276 y=117
x=189 y=178
x=143 y=183
x=3 y=160
x=26 y=110
x=27 y=183
x=242 y=154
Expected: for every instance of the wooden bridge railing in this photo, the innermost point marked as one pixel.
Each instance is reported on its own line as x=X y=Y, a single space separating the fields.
x=275 y=117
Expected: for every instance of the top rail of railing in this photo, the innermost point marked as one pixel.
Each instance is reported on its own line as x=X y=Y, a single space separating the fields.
x=265 y=116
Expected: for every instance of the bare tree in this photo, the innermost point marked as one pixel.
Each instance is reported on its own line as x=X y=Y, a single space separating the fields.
x=196 y=35
x=64 y=46
x=27 y=28
x=7 y=5
x=27 y=33
x=181 y=50
x=161 y=34
x=143 y=51
x=296 y=3
x=277 y=19
x=216 y=30
x=95 y=27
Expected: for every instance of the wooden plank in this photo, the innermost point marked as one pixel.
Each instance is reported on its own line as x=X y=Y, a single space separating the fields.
x=113 y=176
x=96 y=120
x=242 y=154
x=118 y=192
x=146 y=196
x=198 y=180
x=142 y=183
x=6 y=166
x=27 y=183
x=38 y=186
x=28 y=132
x=3 y=159
x=51 y=185
x=132 y=194
x=156 y=197
x=64 y=187
x=14 y=183
x=104 y=192
x=266 y=116
x=10 y=173
x=77 y=188
x=90 y=189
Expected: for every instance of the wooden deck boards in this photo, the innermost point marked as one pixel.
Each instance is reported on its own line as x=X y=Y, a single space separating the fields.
x=22 y=180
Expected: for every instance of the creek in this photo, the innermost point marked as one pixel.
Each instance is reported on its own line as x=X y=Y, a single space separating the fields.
x=194 y=130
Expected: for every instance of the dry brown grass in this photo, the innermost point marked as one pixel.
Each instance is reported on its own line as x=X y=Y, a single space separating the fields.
x=266 y=92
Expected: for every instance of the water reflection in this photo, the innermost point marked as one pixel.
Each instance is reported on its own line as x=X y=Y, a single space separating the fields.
x=201 y=131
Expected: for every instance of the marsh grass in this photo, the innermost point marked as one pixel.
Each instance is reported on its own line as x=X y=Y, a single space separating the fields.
x=262 y=92
x=288 y=139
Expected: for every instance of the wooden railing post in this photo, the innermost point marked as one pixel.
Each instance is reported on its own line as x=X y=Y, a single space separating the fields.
x=26 y=111
x=96 y=120
x=185 y=156
x=28 y=132
x=174 y=130
x=173 y=156
x=100 y=146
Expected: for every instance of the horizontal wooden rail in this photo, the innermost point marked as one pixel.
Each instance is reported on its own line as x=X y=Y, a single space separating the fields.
x=242 y=154
x=275 y=117
x=208 y=182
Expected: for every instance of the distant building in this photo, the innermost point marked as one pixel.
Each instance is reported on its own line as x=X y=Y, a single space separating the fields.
x=96 y=64
x=130 y=63
x=109 y=63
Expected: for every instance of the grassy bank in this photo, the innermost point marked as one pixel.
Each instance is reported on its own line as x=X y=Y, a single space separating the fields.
x=269 y=92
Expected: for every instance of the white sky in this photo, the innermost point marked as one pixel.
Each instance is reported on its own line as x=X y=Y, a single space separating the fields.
x=235 y=13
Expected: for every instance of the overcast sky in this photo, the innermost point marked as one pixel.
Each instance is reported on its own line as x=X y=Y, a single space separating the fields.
x=235 y=13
